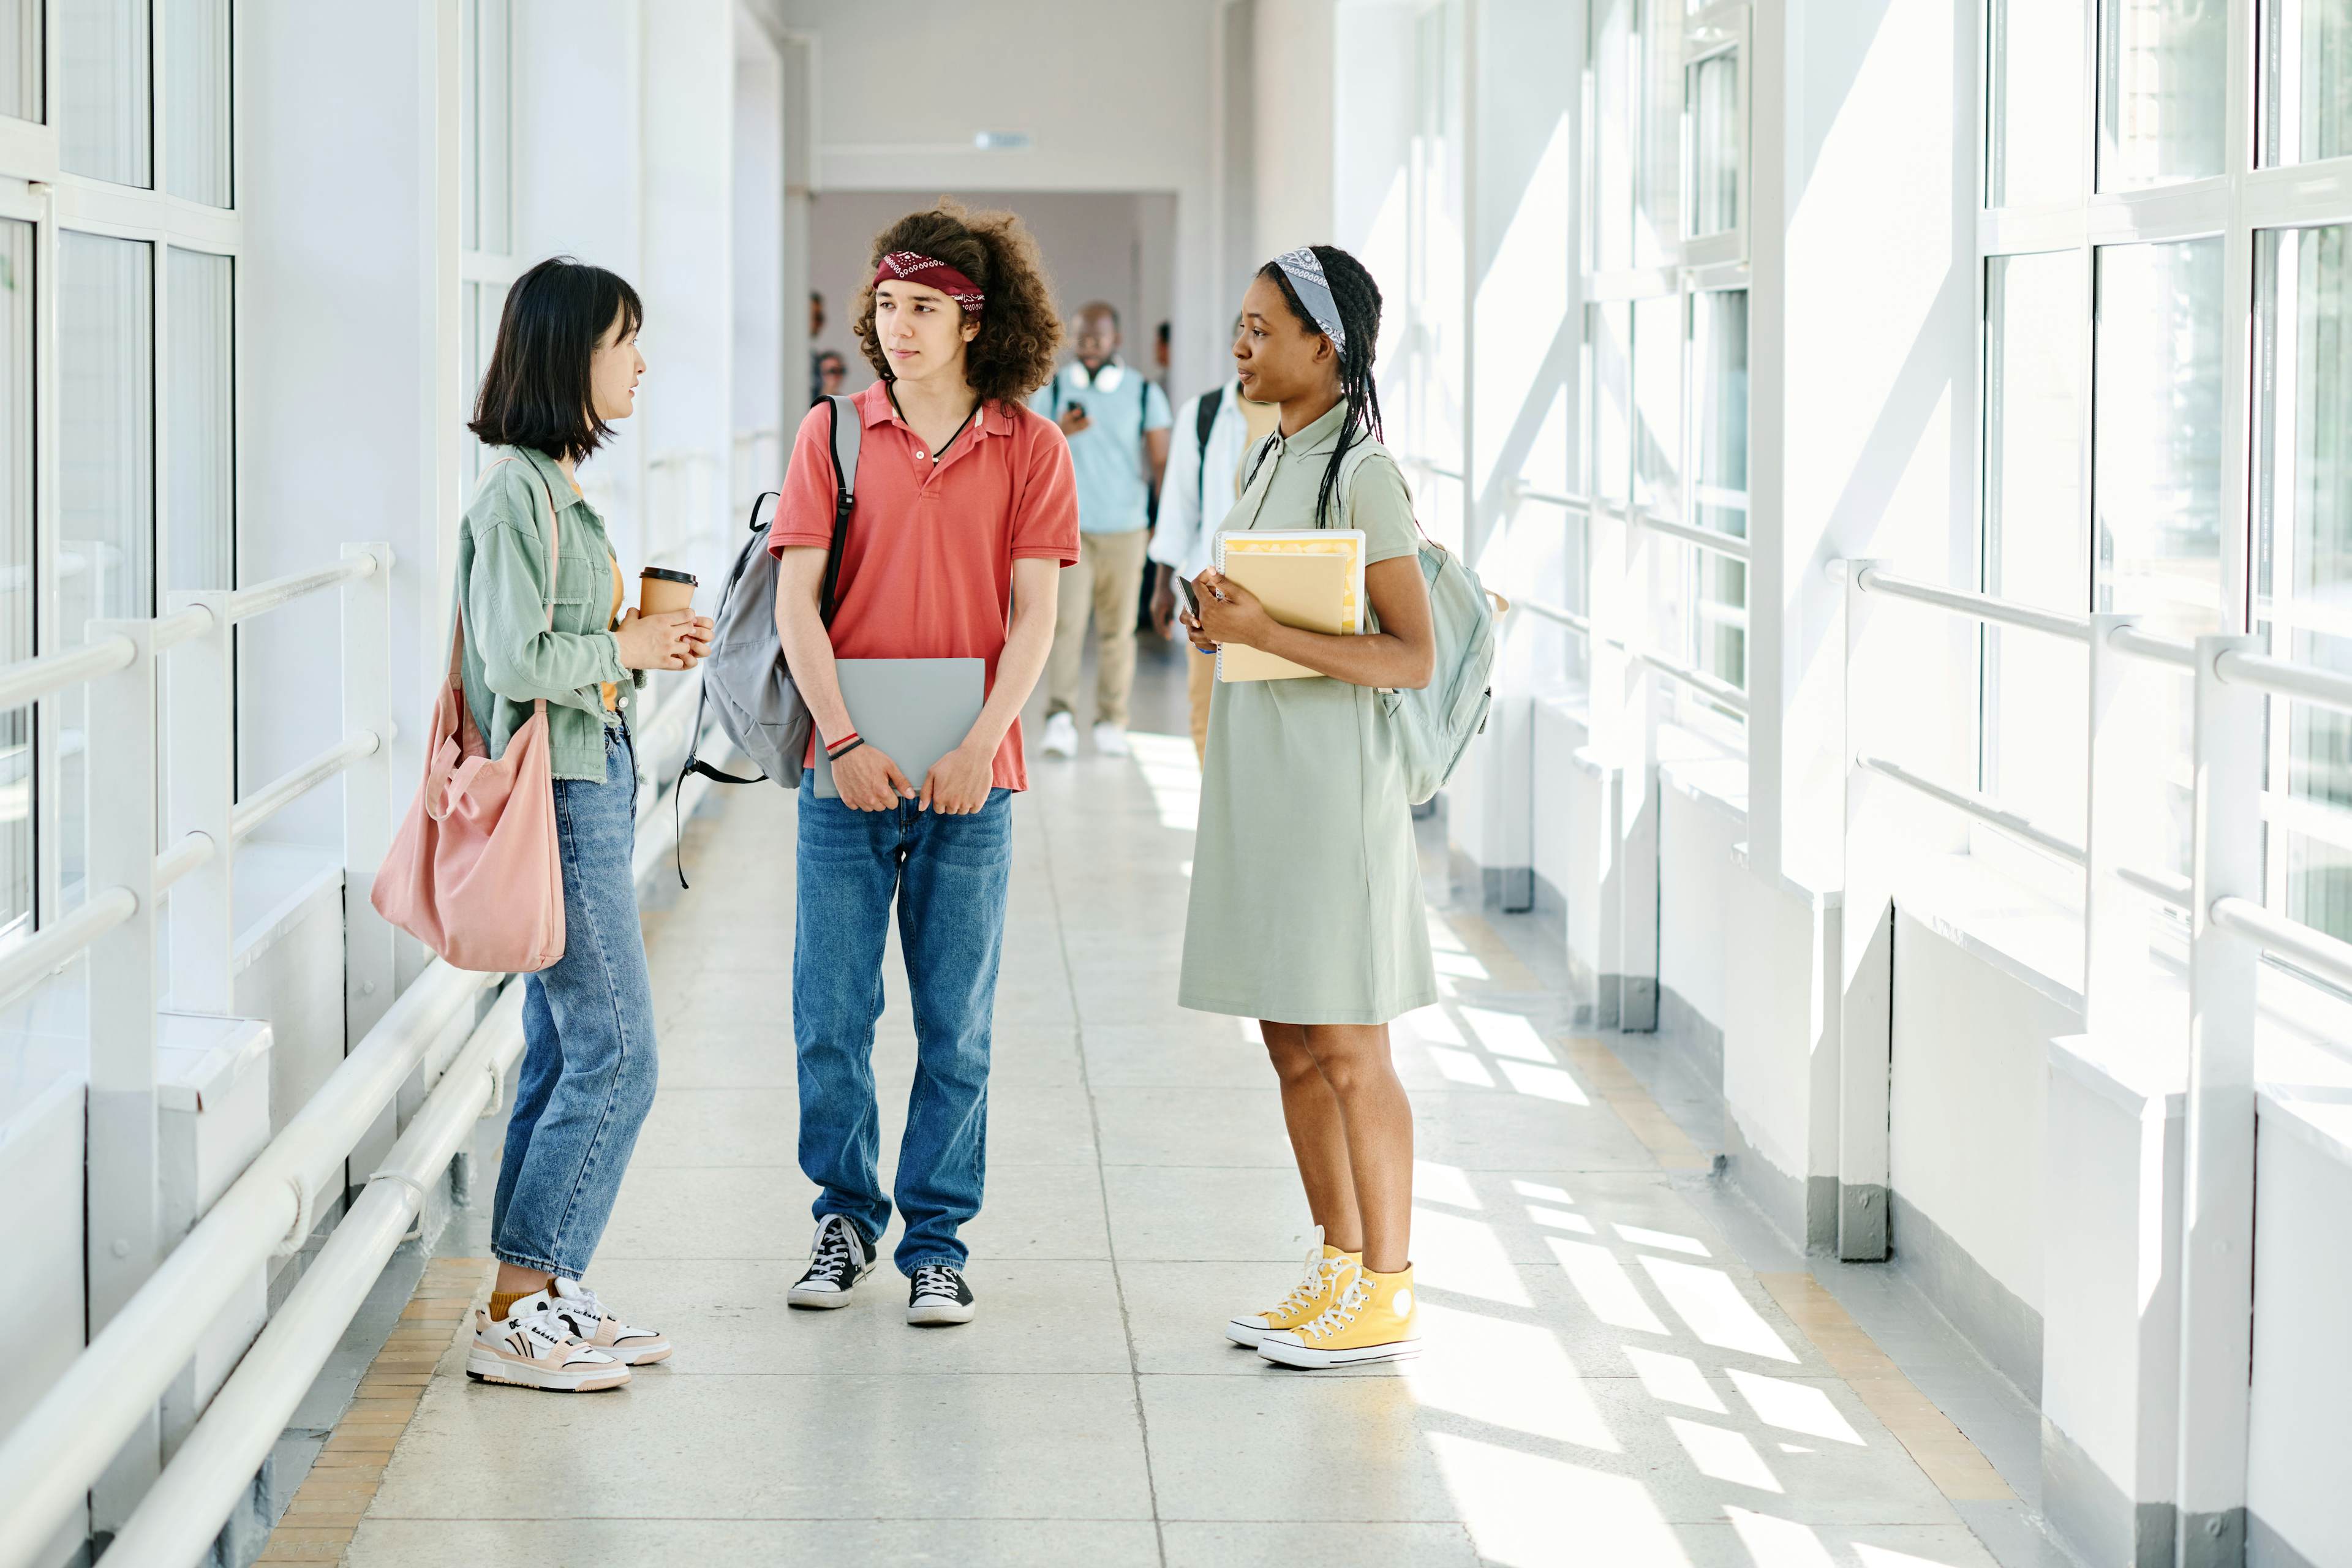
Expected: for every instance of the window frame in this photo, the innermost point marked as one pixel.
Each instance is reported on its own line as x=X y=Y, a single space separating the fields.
x=2249 y=197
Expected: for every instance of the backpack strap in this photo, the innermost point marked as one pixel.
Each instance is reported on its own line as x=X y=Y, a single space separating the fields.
x=1205 y=409
x=848 y=430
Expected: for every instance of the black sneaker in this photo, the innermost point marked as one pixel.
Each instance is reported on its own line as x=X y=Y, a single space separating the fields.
x=937 y=1296
x=838 y=1258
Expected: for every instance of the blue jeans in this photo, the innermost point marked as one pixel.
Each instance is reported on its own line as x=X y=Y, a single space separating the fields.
x=588 y=1038
x=950 y=875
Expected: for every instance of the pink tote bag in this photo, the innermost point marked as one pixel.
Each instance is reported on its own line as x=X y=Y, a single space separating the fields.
x=474 y=872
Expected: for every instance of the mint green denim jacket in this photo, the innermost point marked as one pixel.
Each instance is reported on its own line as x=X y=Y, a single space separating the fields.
x=512 y=655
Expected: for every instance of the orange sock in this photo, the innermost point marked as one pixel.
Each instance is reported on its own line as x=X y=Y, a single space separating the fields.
x=502 y=1303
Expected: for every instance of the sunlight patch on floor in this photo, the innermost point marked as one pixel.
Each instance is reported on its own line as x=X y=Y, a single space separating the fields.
x=1513 y=1376
x=1448 y=1185
x=1724 y=1455
x=1675 y=1379
x=1707 y=1300
x=1172 y=773
x=1465 y=1256
x=1793 y=1406
x=1514 y=1503
x=1778 y=1542
x=1606 y=1287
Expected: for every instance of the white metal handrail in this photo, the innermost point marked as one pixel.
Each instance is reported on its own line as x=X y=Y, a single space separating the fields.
x=1705 y=538
x=2160 y=885
x=1698 y=680
x=2328 y=957
x=1976 y=805
x=29 y=679
x=66 y=1440
x=53 y=947
x=263 y=597
x=180 y=1515
x=1427 y=466
x=2284 y=677
x=2149 y=646
x=1520 y=491
x=1978 y=607
x=1568 y=618
x=283 y=792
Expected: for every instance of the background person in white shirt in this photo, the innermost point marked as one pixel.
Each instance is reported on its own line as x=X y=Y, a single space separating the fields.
x=1202 y=481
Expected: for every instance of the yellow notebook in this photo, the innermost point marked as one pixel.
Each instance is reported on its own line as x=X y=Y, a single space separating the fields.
x=1311 y=578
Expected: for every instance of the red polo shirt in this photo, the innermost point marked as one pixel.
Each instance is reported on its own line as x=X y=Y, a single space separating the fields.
x=927 y=570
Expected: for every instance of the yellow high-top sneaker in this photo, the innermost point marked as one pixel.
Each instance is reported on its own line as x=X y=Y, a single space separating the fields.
x=1327 y=1269
x=1374 y=1317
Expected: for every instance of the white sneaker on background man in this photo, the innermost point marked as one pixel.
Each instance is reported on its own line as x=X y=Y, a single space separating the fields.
x=1061 y=736
x=1110 y=740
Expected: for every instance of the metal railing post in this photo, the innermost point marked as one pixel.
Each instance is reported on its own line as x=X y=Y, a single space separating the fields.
x=2121 y=825
x=368 y=794
x=124 y=1235
x=200 y=744
x=1866 y=967
x=2218 y=1182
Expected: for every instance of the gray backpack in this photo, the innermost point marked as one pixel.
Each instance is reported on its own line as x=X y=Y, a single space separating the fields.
x=745 y=677
x=1434 y=726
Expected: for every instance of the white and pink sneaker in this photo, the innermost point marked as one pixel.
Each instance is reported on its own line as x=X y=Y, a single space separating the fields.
x=594 y=1325
x=534 y=1348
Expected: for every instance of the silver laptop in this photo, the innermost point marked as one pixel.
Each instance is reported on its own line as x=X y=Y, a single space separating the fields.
x=915 y=710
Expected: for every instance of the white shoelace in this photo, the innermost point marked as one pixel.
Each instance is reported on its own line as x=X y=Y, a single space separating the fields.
x=1342 y=1309
x=1320 y=1270
x=577 y=1298
x=936 y=1279
x=831 y=1259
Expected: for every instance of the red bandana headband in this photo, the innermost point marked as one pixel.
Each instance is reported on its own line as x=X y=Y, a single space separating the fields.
x=917 y=268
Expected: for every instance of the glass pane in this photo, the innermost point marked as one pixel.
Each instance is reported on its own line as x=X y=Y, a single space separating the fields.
x=196 y=53
x=2034 y=121
x=2158 y=451
x=1719 y=411
x=486 y=127
x=2036 y=539
x=106 y=469
x=20 y=58
x=1657 y=404
x=105 y=98
x=1614 y=57
x=204 y=418
x=1611 y=327
x=2318 y=883
x=1714 y=86
x=2307 y=81
x=16 y=570
x=2303 y=502
x=2161 y=76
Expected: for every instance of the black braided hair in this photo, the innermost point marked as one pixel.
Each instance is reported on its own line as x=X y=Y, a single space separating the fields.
x=1358 y=299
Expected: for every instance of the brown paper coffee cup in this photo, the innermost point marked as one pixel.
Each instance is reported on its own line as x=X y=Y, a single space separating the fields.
x=659 y=589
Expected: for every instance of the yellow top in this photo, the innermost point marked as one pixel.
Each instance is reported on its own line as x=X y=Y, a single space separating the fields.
x=612 y=693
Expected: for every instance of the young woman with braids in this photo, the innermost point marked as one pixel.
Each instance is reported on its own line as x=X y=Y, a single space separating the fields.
x=1306 y=911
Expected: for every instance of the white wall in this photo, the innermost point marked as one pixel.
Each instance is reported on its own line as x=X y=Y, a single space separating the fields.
x=766 y=385
x=1113 y=98
x=1293 y=45
x=2302 y=1358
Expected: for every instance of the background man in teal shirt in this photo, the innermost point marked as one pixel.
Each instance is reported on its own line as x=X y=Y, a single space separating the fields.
x=1117 y=424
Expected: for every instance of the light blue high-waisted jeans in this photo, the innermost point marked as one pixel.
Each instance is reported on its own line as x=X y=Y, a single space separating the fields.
x=948 y=876
x=588 y=1062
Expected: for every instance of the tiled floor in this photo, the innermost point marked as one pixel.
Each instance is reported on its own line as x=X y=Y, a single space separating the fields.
x=1607 y=1381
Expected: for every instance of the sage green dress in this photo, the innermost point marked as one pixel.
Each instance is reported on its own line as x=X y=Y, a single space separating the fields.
x=1307 y=904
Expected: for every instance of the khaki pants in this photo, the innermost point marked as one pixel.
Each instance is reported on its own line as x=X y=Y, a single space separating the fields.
x=1199 y=680
x=1104 y=585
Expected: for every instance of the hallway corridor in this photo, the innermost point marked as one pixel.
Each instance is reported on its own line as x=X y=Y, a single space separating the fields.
x=1606 y=1381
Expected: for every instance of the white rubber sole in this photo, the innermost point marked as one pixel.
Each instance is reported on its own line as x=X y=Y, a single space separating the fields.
x=942 y=1316
x=1305 y=1358
x=826 y=1301
x=1244 y=1334
x=637 y=1358
x=489 y=1366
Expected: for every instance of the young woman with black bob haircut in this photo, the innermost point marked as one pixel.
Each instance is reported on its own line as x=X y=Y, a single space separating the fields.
x=966 y=513
x=540 y=617
x=1306 y=911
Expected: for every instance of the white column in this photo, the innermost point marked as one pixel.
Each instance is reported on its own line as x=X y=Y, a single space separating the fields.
x=2218 y=1188
x=1866 y=971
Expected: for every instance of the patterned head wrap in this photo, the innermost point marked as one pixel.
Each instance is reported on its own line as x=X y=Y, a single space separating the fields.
x=931 y=273
x=1307 y=280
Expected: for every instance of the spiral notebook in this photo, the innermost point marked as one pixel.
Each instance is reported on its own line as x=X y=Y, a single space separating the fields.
x=1311 y=578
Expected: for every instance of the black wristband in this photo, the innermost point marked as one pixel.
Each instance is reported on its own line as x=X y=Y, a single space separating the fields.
x=855 y=742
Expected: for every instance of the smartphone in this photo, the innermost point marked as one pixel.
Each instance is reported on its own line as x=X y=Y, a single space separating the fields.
x=1192 y=596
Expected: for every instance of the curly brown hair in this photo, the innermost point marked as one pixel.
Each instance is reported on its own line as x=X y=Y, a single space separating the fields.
x=1020 y=328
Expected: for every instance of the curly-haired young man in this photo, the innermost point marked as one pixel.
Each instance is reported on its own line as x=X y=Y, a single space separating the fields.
x=966 y=512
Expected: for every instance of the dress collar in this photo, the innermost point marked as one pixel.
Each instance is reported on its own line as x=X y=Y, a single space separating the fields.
x=1320 y=436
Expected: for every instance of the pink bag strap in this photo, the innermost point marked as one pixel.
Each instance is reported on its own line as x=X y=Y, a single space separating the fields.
x=438 y=787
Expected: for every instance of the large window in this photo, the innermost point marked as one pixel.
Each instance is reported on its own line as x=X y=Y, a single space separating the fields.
x=486 y=156
x=2159 y=440
x=1665 y=349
